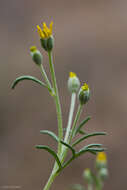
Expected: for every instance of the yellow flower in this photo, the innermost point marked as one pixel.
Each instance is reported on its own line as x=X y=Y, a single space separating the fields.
x=101 y=157
x=72 y=75
x=85 y=87
x=45 y=32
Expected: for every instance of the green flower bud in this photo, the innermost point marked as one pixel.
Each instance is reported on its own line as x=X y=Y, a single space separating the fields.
x=103 y=173
x=36 y=55
x=101 y=160
x=84 y=94
x=47 y=43
x=73 y=83
x=88 y=176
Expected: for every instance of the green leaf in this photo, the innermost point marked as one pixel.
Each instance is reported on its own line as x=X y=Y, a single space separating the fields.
x=69 y=146
x=87 y=136
x=91 y=150
x=82 y=132
x=97 y=149
x=90 y=146
x=27 y=77
x=50 y=133
x=52 y=152
x=93 y=145
x=81 y=125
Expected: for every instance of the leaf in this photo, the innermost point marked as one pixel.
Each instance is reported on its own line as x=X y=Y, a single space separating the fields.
x=70 y=147
x=52 y=152
x=82 y=124
x=82 y=132
x=93 y=145
x=50 y=133
x=27 y=77
x=87 y=136
x=82 y=151
x=90 y=146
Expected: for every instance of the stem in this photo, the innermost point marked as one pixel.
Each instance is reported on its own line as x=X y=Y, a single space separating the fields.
x=46 y=78
x=66 y=139
x=75 y=121
x=52 y=177
x=57 y=101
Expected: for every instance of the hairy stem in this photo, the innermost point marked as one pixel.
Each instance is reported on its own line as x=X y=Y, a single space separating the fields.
x=68 y=131
x=75 y=121
x=57 y=101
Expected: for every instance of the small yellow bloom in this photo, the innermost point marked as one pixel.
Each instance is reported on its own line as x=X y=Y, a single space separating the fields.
x=85 y=87
x=46 y=32
x=101 y=157
x=71 y=74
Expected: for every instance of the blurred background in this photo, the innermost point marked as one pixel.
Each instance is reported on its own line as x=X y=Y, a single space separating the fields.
x=90 y=39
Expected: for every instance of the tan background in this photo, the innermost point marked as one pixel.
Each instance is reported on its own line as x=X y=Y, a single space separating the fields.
x=91 y=40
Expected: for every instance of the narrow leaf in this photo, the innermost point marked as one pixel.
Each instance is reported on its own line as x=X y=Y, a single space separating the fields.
x=52 y=152
x=81 y=132
x=87 y=136
x=91 y=150
x=70 y=147
x=97 y=149
x=93 y=145
x=27 y=77
x=82 y=124
x=50 y=133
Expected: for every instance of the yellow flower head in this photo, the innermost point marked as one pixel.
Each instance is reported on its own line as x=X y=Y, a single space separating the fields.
x=72 y=75
x=46 y=32
x=85 y=87
x=33 y=48
x=101 y=157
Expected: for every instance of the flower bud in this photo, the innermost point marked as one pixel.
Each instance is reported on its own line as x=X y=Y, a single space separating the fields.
x=36 y=55
x=88 y=176
x=101 y=160
x=84 y=94
x=103 y=173
x=73 y=83
x=47 y=43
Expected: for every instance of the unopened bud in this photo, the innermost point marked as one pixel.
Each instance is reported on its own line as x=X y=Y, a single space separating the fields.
x=36 y=55
x=88 y=176
x=84 y=94
x=73 y=83
x=101 y=160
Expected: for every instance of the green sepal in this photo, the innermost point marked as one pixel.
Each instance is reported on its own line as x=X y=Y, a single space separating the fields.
x=87 y=136
x=52 y=152
x=27 y=77
x=69 y=146
x=78 y=129
x=50 y=133
x=44 y=44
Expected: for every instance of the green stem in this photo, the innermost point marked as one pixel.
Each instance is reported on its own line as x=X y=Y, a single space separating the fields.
x=57 y=101
x=99 y=183
x=44 y=75
x=75 y=121
x=68 y=131
x=52 y=177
